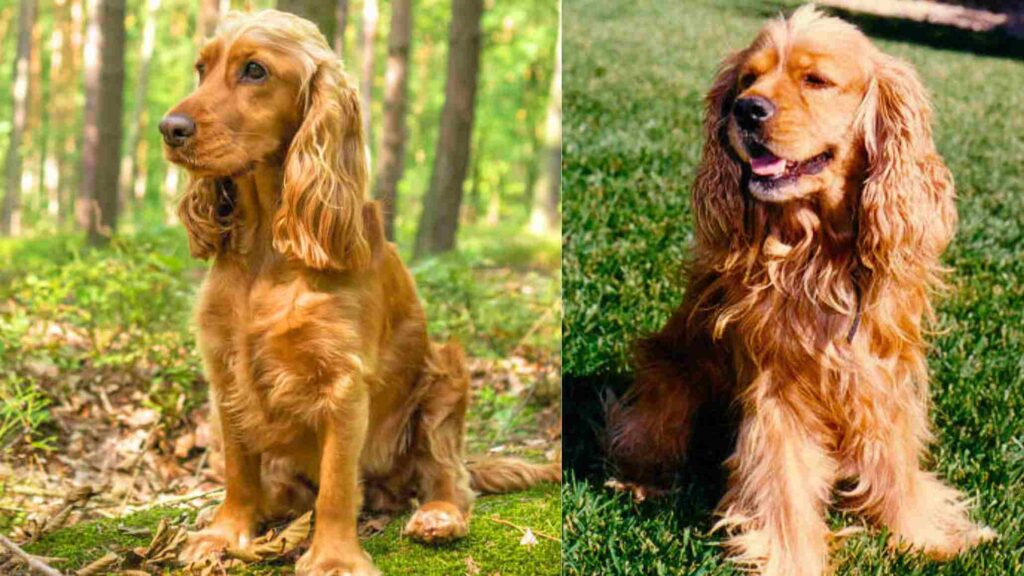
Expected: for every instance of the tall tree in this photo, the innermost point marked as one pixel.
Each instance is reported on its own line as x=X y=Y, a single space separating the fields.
x=209 y=15
x=131 y=173
x=104 y=102
x=440 y=218
x=392 y=154
x=66 y=102
x=36 y=136
x=371 y=14
x=544 y=215
x=320 y=12
x=341 y=15
x=10 y=210
x=57 y=112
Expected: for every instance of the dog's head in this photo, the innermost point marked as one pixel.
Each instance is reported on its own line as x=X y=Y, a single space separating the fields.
x=272 y=92
x=812 y=108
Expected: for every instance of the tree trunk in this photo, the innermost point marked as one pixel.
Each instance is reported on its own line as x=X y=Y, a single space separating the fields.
x=69 y=173
x=544 y=216
x=392 y=154
x=58 y=115
x=130 y=166
x=209 y=15
x=36 y=136
x=104 y=71
x=320 y=12
x=440 y=218
x=370 y=16
x=10 y=210
x=341 y=15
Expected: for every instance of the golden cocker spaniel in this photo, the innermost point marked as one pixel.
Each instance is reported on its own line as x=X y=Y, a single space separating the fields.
x=322 y=378
x=821 y=210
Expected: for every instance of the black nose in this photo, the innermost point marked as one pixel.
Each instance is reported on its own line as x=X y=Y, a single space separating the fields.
x=752 y=111
x=177 y=129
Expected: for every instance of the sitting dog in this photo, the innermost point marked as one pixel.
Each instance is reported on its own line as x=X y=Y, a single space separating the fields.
x=322 y=378
x=821 y=209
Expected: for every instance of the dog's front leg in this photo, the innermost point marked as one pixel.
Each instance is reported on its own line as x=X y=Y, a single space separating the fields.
x=341 y=434
x=237 y=517
x=780 y=479
x=887 y=432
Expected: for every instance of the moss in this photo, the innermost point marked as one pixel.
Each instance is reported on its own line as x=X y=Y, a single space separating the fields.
x=85 y=542
x=491 y=546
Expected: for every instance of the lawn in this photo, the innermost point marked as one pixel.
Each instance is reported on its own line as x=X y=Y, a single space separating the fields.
x=101 y=393
x=634 y=77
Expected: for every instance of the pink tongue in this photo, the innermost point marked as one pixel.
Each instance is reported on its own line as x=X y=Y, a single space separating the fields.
x=768 y=165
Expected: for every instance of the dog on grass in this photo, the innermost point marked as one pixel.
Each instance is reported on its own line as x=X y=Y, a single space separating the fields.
x=821 y=209
x=327 y=391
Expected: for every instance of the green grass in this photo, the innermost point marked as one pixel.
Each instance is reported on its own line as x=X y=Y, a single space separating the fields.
x=491 y=546
x=634 y=77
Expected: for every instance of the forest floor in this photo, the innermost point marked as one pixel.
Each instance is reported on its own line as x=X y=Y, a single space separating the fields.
x=635 y=75
x=103 y=421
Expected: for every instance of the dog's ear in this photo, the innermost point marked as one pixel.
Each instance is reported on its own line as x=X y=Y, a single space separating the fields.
x=907 y=214
x=717 y=198
x=320 y=218
x=200 y=211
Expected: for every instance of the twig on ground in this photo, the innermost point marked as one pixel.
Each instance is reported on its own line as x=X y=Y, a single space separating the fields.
x=497 y=520
x=536 y=326
x=137 y=467
x=201 y=464
x=173 y=501
x=33 y=561
x=32 y=491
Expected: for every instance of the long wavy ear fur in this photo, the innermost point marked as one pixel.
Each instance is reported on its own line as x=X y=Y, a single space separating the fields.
x=717 y=197
x=200 y=210
x=320 y=219
x=907 y=213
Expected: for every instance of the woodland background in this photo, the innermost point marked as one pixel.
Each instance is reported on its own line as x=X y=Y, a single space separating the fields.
x=82 y=73
x=103 y=428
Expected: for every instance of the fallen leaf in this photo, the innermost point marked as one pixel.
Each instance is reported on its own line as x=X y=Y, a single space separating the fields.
x=288 y=540
x=142 y=417
x=528 y=539
x=184 y=444
x=99 y=566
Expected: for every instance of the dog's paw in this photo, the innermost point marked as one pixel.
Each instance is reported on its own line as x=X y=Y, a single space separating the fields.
x=943 y=543
x=211 y=542
x=436 y=522
x=639 y=492
x=317 y=562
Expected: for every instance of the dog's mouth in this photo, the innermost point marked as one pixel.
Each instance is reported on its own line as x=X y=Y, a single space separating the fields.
x=199 y=168
x=767 y=168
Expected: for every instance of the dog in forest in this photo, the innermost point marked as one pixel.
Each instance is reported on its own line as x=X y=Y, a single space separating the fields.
x=821 y=210
x=327 y=391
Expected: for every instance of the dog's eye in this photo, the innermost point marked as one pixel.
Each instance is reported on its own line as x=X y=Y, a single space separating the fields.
x=747 y=79
x=817 y=81
x=253 y=72
x=200 y=69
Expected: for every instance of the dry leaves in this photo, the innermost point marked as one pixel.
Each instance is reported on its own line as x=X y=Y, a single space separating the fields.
x=270 y=546
x=99 y=566
x=164 y=546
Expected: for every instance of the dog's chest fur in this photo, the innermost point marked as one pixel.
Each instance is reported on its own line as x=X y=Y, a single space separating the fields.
x=282 y=348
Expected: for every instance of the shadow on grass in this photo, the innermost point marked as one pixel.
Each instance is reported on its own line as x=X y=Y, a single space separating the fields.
x=700 y=481
x=997 y=42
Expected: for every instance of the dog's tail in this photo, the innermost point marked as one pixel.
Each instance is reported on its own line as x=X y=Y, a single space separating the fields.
x=500 y=475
